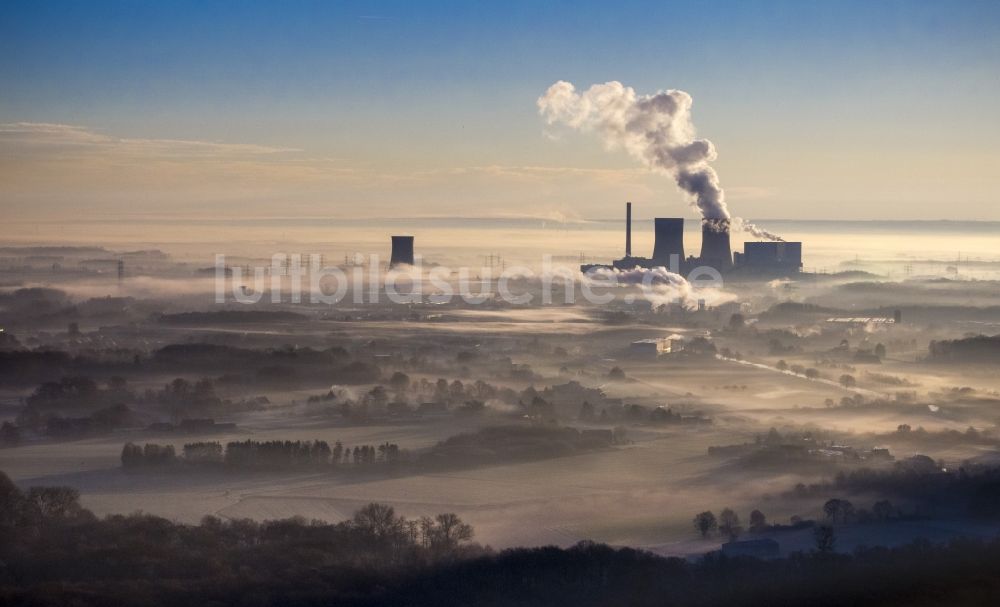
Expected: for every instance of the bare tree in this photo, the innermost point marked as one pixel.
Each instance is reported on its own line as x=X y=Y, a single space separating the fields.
x=379 y=520
x=729 y=524
x=449 y=531
x=57 y=502
x=825 y=539
x=883 y=510
x=838 y=510
x=705 y=523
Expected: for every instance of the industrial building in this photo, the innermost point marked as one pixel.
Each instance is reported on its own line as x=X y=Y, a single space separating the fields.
x=646 y=348
x=766 y=259
x=770 y=256
x=653 y=347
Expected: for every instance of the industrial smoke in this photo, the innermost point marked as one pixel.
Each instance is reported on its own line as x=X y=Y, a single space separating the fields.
x=656 y=130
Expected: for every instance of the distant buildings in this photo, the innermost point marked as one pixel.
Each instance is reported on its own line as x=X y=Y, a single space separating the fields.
x=758 y=258
x=646 y=348
x=861 y=320
x=653 y=347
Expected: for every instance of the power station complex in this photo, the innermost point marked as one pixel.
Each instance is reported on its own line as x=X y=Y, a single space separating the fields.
x=758 y=258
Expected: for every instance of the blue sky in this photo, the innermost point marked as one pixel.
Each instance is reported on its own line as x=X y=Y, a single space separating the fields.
x=818 y=109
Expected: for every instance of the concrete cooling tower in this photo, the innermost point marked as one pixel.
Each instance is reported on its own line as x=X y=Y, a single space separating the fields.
x=402 y=251
x=669 y=233
x=715 y=249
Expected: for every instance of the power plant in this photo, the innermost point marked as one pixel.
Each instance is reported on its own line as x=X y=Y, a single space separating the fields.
x=669 y=240
x=402 y=251
x=766 y=259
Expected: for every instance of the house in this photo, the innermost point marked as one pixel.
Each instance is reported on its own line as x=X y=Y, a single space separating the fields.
x=653 y=347
x=646 y=348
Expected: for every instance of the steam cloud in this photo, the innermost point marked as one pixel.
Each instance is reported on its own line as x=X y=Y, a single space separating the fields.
x=655 y=129
x=756 y=230
x=661 y=287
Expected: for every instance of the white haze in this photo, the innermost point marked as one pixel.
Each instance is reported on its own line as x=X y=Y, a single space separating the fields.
x=661 y=287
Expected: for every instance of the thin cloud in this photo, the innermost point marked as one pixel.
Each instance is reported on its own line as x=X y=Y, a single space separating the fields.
x=53 y=137
x=68 y=168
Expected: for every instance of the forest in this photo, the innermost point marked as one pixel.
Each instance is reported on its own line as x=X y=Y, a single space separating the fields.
x=55 y=552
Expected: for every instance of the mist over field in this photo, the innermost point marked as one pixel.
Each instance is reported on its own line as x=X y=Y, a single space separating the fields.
x=94 y=363
x=505 y=304
x=199 y=382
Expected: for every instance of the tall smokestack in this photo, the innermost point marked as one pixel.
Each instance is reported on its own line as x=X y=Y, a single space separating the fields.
x=628 y=229
x=715 y=249
x=669 y=240
x=402 y=251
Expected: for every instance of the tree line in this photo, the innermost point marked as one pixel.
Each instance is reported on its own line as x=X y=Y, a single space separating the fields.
x=54 y=552
x=972 y=489
x=251 y=454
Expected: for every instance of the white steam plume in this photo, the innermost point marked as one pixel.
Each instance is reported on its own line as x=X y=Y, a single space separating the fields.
x=655 y=129
x=660 y=286
x=759 y=232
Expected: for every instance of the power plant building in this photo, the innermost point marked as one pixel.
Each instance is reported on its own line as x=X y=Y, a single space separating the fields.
x=757 y=258
x=771 y=255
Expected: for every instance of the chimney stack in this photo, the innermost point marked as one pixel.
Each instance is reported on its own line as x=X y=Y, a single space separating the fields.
x=628 y=229
x=402 y=251
x=669 y=240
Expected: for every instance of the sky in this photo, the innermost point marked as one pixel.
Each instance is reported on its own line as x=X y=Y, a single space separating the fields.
x=818 y=110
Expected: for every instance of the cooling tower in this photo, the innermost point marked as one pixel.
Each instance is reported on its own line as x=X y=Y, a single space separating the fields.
x=402 y=251
x=715 y=250
x=669 y=240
